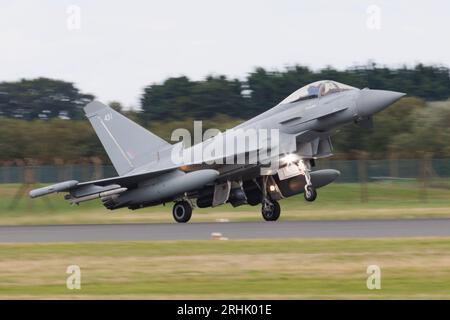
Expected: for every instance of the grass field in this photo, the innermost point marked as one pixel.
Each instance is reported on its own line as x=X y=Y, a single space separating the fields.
x=336 y=201
x=249 y=269
x=323 y=269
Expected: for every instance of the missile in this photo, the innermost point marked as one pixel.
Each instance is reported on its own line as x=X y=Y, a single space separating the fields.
x=112 y=192
x=74 y=200
x=103 y=195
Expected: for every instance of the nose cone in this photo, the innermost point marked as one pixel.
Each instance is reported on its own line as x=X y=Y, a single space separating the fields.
x=373 y=101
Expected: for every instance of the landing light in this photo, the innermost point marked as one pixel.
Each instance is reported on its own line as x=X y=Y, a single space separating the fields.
x=290 y=158
x=272 y=188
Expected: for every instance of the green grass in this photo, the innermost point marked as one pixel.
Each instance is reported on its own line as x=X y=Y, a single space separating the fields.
x=249 y=269
x=403 y=200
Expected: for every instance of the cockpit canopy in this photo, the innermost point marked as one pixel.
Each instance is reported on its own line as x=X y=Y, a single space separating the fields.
x=317 y=89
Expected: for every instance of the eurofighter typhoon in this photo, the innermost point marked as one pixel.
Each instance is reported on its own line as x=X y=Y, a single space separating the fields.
x=260 y=162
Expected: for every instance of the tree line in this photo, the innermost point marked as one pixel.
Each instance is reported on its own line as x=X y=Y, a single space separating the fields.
x=35 y=114
x=179 y=98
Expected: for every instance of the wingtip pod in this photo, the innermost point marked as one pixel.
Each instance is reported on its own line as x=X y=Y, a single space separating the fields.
x=59 y=187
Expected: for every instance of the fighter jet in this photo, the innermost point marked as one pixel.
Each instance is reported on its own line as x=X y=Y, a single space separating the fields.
x=290 y=137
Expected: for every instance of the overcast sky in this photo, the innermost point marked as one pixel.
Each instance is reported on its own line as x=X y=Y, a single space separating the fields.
x=115 y=48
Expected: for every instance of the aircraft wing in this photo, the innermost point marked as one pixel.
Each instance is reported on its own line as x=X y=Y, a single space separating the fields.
x=126 y=181
x=120 y=181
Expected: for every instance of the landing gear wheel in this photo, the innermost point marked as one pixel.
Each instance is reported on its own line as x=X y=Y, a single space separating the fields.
x=271 y=210
x=310 y=193
x=182 y=211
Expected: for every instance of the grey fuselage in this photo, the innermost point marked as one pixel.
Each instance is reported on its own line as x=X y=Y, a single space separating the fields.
x=305 y=128
x=299 y=123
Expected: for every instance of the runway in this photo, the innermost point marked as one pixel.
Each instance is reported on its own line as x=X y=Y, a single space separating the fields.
x=230 y=230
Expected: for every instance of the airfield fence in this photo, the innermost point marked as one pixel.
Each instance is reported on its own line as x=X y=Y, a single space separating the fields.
x=423 y=173
x=352 y=171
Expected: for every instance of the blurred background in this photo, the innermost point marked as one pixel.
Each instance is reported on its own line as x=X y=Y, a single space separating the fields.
x=165 y=65
x=223 y=64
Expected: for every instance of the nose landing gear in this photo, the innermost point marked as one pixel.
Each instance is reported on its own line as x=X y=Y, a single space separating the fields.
x=305 y=169
x=310 y=193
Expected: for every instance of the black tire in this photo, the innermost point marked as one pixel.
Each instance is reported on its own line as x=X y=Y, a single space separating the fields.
x=273 y=214
x=311 y=195
x=182 y=211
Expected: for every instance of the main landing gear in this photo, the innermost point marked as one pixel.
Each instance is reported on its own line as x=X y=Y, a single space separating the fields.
x=182 y=211
x=270 y=209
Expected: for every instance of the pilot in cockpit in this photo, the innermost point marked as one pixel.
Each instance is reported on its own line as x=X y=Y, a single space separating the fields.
x=313 y=90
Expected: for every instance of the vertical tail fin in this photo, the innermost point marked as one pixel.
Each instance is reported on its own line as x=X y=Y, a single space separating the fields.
x=127 y=144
